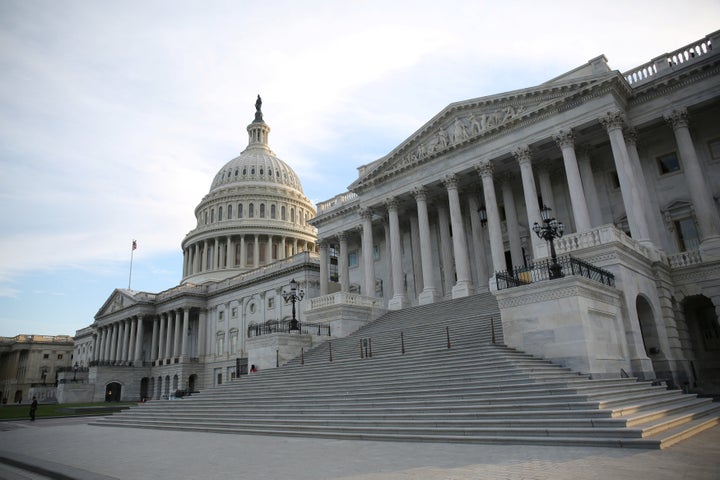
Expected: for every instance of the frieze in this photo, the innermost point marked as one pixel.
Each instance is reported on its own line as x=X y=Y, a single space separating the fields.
x=559 y=293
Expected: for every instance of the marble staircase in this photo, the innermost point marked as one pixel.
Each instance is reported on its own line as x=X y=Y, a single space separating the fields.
x=451 y=384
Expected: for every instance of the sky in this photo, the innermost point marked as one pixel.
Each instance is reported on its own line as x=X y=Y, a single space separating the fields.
x=116 y=116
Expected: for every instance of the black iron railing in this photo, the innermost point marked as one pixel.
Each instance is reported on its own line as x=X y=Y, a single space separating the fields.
x=540 y=271
x=283 y=326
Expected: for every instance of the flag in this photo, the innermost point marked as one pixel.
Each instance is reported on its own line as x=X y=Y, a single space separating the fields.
x=134 y=245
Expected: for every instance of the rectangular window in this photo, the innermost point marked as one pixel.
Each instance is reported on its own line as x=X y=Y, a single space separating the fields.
x=233 y=344
x=376 y=253
x=352 y=259
x=59 y=356
x=714 y=147
x=668 y=163
x=687 y=234
x=46 y=355
x=271 y=302
x=221 y=315
x=234 y=312
x=614 y=180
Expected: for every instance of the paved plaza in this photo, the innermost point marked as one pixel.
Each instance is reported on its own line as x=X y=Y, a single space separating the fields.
x=82 y=451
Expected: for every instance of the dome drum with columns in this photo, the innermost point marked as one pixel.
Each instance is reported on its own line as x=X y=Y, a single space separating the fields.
x=255 y=213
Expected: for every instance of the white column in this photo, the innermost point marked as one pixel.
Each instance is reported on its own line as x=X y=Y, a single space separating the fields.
x=497 y=249
x=545 y=184
x=161 y=338
x=184 y=333
x=230 y=259
x=613 y=123
x=139 y=341
x=367 y=253
x=522 y=154
x=464 y=286
x=154 y=343
x=268 y=250
x=283 y=248
x=324 y=266
x=178 y=335
x=415 y=262
x=591 y=195
x=399 y=299
x=478 y=238
x=122 y=342
x=446 y=254
x=169 y=352
x=132 y=324
x=706 y=212
x=196 y=258
x=566 y=142
x=343 y=272
x=97 y=352
x=511 y=220
x=243 y=252
x=112 y=344
x=256 y=252
x=202 y=332
x=651 y=210
x=429 y=293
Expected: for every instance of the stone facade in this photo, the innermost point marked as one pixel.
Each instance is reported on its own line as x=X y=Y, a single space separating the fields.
x=629 y=162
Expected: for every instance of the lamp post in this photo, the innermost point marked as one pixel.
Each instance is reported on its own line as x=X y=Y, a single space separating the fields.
x=75 y=369
x=294 y=295
x=482 y=212
x=551 y=230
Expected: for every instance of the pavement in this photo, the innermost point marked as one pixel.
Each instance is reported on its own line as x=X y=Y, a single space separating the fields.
x=70 y=448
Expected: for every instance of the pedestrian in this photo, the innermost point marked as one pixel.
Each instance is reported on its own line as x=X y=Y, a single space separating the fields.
x=253 y=369
x=33 y=407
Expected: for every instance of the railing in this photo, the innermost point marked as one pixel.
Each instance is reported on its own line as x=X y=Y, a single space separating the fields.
x=540 y=271
x=283 y=326
x=336 y=202
x=667 y=62
x=685 y=259
x=341 y=298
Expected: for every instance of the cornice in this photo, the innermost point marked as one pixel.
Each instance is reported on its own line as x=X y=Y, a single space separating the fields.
x=665 y=85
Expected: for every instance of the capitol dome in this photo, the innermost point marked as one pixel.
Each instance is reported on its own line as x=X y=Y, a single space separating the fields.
x=255 y=214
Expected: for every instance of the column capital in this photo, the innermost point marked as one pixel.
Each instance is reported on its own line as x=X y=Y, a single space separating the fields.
x=677 y=118
x=631 y=135
x=392 y=203
x=613 y=120
x=343 y=236
x=450 y=181
x=420 y=193
x=522 y=154
x=366 y=213
x=565 y=138
x=485 y=169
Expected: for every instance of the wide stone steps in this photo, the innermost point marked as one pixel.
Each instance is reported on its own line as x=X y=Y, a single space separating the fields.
x=473 y=392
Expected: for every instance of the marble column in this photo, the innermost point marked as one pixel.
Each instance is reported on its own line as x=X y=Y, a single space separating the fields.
x=196 y=258
x=243 y=252
x=177 y=346
x=464 y=286
x=154 y=342
x=589 y=187
x=566 y=141
x=447 y=267
x=511 y=220
x=399 y=299
x=139 y=340
x=367 y=253
x=523 y=156
x=415 y=262
x=429 y=293
x=122 y=342
x=324 y=267
x=230 y=253
x=478 y=238
x=97 y=352
x=162 y=338
x=216 y=255
x=497 y=249
x=185 y=333
x=130 y=355
x=545 y=184
x=169 y=346
x=343 y=272
x=202 y=332
x=283 y=248
x=256 y=252
x=706 y=213
x=651 y=211
x=613 y=123
x=268 y=250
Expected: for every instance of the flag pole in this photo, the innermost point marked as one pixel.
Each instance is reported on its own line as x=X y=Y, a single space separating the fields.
x=132 y=252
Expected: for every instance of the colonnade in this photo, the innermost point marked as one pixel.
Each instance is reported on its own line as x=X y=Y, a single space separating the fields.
x=454 y=252
x=245 y=251
x=121 y=342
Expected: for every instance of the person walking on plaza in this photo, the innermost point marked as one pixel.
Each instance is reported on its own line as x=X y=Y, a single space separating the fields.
x=33 y=407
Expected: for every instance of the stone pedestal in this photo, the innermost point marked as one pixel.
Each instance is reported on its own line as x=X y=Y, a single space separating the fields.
x=343 y=312
x=276 y=349
x=571 y=321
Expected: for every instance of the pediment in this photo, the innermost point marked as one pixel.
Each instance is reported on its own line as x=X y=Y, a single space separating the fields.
x=462 y=123
x=118 y=300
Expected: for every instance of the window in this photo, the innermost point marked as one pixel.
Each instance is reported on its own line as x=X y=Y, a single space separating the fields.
x=668 y=163
x=283 y=216
x=229 y=212
x=687 y=234
x=220 y=212
x=212 y=216
x=233 y=341
x=292 y=215
x=262 y=210
x=221 y=315
x=614 y=180
x=252 y=307
x=376 y=252
x=206 y=217
x=714 y=147
x=352 y=259
x=46 y=355
x=60 y=356
x=219 y=343
x=272 y=211
x=271 y=302
x=233 y=312
x=251 y=210
x=240 y=210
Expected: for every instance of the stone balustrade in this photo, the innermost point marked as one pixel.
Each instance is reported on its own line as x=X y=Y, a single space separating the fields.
x=685 y=259
x=341 y=298
x=336 y=202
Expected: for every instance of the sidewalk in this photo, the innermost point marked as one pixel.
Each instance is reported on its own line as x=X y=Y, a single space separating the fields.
x=89 y=452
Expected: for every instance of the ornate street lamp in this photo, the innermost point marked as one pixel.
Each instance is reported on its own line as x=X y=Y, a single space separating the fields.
x=551 y=230
x=483 y=215
x=294 y=295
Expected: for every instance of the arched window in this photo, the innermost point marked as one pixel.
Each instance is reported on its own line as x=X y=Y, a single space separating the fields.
x=292 y=215
x=240 y=210
x=262 y=210
x=251 y=210
x=220 y=212
x=283 y=216
x=272 y=211
x=212 y=216
x=205 y=217
x=229 y=212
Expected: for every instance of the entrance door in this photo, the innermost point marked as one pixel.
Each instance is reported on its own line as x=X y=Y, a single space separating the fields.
x=112 y=392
